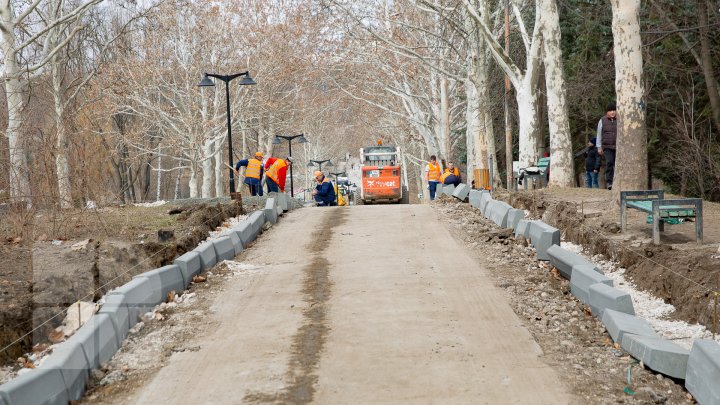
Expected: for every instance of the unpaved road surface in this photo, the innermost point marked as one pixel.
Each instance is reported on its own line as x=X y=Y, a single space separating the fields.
x=364 y=304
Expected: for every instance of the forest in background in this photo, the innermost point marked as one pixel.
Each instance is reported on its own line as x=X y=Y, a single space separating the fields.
x=101 y=101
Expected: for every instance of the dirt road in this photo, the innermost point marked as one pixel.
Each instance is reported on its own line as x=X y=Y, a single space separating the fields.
x=366 y=304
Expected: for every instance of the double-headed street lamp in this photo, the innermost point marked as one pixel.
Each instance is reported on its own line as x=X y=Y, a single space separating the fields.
x=320 y=163
x=337 y=195
x=247 y=80
x=289 y=138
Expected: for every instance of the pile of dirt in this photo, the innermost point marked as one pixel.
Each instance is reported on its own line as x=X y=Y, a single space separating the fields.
x=39 y=279
x=685 y=275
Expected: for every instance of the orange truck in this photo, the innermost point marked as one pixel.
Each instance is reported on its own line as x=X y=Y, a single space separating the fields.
x=381 y=176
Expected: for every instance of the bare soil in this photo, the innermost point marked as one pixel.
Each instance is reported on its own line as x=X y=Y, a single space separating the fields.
x=574 y=342
x=50 y=259
x=679 y=271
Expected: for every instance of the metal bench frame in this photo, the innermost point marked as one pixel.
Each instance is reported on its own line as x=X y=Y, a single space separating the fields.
x=657 y=197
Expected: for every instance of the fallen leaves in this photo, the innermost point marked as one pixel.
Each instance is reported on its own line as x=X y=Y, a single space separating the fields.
x=199 y=279
x=25 y=363
x=56 y=336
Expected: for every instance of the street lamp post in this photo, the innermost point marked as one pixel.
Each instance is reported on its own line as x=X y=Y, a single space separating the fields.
x=337 y=195
x=289 y=138
x=320 y=163
x=247 y=80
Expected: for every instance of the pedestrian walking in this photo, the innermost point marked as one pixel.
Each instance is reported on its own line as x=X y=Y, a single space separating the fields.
x=606 y=141
x=433 y=171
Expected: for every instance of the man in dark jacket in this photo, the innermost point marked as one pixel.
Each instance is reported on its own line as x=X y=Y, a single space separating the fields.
x=324 y=192
x=606 y=140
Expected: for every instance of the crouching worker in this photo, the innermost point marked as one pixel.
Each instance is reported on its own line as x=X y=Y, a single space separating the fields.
x=451 y=175
x=324 y=192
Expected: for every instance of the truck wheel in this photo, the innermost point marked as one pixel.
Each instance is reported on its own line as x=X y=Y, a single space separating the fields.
x=405 y=196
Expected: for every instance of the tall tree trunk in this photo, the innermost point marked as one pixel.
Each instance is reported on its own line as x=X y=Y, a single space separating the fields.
x=445 y=117
x=707 y=64
x=62 y=169
x=19 y=179
x=562 y=168
x=528 y=122
x=219 y=170
x=631 y=160
x=207 y=172
x=193 y=183
x=159 y=174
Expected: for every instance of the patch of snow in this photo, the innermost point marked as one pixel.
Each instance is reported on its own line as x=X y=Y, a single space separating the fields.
x=151 y=204
x=226 y=226
x=244 y=269
x=647 y=306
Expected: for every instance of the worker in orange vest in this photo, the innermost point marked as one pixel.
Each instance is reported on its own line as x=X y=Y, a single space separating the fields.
x=253 y=173
x=433 y=171
x=324 y=193
x=276 y=172
x=451 y=175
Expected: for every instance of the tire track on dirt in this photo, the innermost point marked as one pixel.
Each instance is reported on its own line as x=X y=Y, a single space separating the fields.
x=310 y=338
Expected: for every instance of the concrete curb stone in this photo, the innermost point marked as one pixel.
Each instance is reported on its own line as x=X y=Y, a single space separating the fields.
x=582 y=276
x=618 y=324
x=461 y=192
x=117 y=309
x=190 y=265
x=703 y=371
x=39 y=386
x=565 y=260
x=523 y=228
x=270 y=211
x=475 y=196
x=497 y=211
x=98 y=340
x=224 y=248
x=165 y=279
x=245 y=230
x=69 y=358
x=602 y=297
x=208 y=257
x=542 y=236
x=235 y=238
x=514 y=216
x=138 y=296
x=485 y=198
x=448 y=189
x=657 y=354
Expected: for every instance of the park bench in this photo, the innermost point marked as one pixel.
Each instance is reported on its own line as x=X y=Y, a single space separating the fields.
x=538 y=174
x=653 y=202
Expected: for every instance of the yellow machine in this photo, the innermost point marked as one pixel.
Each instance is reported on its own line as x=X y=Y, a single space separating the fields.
x=340 y=198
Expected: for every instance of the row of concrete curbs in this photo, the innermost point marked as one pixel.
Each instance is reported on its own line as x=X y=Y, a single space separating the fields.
x=699 y=367
x=63 y=375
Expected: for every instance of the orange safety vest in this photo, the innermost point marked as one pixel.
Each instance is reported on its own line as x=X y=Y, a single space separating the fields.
x=444 y=176
x=433 y=172
x=253 y=169
x=272 y=171
x=449 y=173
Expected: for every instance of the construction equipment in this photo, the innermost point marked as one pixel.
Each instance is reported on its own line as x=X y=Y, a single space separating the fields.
x=381 y=176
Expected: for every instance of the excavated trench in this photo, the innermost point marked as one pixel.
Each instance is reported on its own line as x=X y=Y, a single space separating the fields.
x=39 y=281
x=683 y=275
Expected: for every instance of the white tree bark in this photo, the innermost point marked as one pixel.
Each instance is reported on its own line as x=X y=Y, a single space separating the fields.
x=193 y=182
x=220 y=168
x=562 y=168
x=525 y=82
x=159 y=174
x=207 y=168
x=631 y=161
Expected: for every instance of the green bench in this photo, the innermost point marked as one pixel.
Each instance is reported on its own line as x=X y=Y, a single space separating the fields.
x=662 y=211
